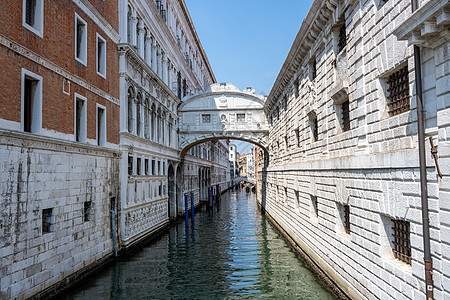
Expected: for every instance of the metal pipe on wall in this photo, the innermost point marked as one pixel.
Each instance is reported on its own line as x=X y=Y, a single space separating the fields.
x=423 y=170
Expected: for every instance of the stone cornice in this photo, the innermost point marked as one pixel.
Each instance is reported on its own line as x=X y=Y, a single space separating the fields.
x=426 y=22
x=197 y=40
x=320 y=9
x=44 y=62
x=95 y=16
x=133 y=56
x=169 y=41
x=53 y=144
x=224 y=93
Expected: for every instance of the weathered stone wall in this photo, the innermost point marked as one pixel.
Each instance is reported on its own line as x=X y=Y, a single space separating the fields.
x=373 y=166
x=41 y=173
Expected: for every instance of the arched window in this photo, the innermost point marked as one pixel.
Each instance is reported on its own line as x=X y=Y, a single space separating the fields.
x=130 y=109
x=138 y=34
x=163 y=127
x=170 y=130
x=129 y=25
x=152 y=122
x=146 y=116
x=158 y=126
x=138 y=114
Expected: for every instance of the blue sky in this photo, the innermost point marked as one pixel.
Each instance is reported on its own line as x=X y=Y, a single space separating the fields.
x=247 y=41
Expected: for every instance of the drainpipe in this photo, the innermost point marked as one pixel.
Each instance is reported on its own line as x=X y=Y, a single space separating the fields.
x=423 y=172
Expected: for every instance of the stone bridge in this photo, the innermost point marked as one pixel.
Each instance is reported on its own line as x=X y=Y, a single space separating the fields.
x=223 y=112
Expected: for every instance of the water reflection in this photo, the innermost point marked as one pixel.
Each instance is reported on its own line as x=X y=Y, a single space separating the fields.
x=233 y=253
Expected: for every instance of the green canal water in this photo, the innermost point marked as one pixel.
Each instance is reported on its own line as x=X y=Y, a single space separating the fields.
x=233 y=253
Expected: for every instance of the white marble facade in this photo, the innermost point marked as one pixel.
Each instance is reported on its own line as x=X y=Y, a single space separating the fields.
x=338 y=146
x=161 y=63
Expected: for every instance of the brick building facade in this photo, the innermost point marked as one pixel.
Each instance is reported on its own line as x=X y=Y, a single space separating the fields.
x=58 y=140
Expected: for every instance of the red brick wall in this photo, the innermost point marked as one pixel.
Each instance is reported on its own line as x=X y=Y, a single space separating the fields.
x=57 y=45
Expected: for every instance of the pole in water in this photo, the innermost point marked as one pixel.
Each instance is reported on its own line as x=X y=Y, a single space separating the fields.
x=217 y=196
x=209 y=197
x=113 y=229
x=192 y=206
x=186 y=209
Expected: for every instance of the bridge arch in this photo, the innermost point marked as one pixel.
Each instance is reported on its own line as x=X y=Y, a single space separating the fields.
x=223 y=112
x=205 y=138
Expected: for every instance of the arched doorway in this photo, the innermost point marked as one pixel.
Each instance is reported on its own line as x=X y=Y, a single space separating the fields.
x=179 y=190
x=172 y=193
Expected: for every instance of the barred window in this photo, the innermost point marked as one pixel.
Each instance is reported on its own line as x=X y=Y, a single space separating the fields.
x=342 y=39
x=401 y=242
x=48 y=220
x=87 y=211
x=314 y=207
x=346 y=211
x=345 y=109
x=206 y=118
x=240 y=117
x=314 y=127
x=314 y=69
x=398 y=89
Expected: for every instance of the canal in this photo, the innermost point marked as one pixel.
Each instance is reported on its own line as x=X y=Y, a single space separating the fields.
x=231 y=253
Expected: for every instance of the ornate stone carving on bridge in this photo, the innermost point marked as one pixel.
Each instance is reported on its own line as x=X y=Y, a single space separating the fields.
x=223 y=112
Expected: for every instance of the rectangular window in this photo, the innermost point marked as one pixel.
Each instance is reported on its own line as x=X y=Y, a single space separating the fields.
x=314 y=69
x=153 y=167
x=87 y=211
x=314 y=207
x=240 y=117
x=80 y=118
x=33 y=15
x=342 y=38
x=315 y=129
x=398 y=89
x=159 y=167
x=130 y=165
x=164 y=168
x=138 y=166
x=401 y=241
x=345 y=110
x=31 y=102
x=146 y=166
x=346 y=218
x=206 y=118
x=297 y=136
x=101 y=126
x=80 y=40
x=101 y=56
x=296 y=87
x=48 y=220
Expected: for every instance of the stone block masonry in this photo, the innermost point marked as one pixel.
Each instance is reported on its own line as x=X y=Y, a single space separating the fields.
x=343 y=173
x=55 y=206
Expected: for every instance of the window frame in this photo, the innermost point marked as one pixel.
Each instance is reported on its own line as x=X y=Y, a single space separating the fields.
x=83 y=58
x=102 y=142
x=36 y=126
x=394 y=91
x=240 y=114
x=87 y=211
x=103 y=58
x=48 y=220
x=39 y=18
x=206 y=117
x=84 y=118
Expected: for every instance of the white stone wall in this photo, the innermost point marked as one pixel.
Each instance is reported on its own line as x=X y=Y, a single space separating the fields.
x=41 y=173
x=373 y=167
